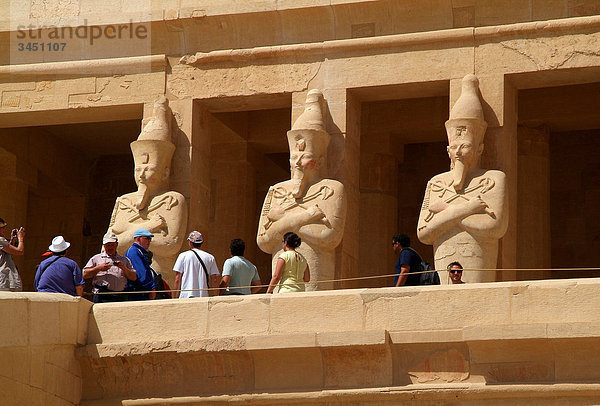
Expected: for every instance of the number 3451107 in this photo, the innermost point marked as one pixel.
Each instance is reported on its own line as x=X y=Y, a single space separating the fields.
x=41 y=46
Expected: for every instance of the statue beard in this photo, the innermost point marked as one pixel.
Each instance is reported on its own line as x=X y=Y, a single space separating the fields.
x=458 y=174
x=298 y=183
x=144 y=196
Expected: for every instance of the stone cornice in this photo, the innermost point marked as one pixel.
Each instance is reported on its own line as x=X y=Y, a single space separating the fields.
x=392 y=41
x=113 y=66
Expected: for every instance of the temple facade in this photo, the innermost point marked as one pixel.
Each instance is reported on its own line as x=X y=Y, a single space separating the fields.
x=78 y=83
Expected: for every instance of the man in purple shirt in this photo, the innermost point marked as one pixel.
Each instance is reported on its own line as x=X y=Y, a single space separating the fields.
x=58 y=274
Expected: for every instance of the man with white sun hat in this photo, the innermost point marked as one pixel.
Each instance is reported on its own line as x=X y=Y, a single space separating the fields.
x=59 y=274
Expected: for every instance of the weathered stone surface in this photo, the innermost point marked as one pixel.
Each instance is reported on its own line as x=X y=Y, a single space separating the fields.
x=465 y=210
x=236 y=74
x=310 y=204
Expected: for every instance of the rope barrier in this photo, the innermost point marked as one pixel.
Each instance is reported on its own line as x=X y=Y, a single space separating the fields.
x=347 y=279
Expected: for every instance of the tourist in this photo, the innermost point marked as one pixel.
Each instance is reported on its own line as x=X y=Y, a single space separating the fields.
x=9 y=275
x=59 y=274
x=140 y=258
x=455 y=269
x=192 y=270
x=238 y=272
x=408 y=262
x=110 y=272
x=291 y=268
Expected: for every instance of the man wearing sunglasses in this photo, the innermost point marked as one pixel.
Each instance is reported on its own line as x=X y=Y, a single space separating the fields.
x=455 y=270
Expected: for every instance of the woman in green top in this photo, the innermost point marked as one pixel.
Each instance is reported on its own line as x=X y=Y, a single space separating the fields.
x=291 y=267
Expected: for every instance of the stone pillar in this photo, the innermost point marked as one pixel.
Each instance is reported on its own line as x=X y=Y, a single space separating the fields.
x=190 y=167
x=379 y=206
x=533 y=235
x=13 y=204
x=343 y=124
x=233 y=199
x=499 y=100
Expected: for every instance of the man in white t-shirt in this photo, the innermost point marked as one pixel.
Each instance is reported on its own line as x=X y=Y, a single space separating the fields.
x=192 y=269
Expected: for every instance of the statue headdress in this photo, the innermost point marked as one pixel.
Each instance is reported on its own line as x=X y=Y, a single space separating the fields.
x=468 y=110
x=154 y=142
x=308 y=132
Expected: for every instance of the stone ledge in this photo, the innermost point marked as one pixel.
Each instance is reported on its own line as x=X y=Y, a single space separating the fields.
x=504 y=310
x=345 y=339
x=502 y=394
x=121 y=66
x=239 y=343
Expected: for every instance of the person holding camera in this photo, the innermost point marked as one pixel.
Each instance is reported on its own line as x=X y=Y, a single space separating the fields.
x=9 y=275
x=110 y=272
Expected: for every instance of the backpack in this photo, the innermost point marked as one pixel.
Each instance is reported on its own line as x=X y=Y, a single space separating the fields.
x=428 y=278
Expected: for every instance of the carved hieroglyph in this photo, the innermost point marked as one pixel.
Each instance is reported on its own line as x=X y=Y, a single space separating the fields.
x=153 y=206
x=307 y=204
x=465 y=210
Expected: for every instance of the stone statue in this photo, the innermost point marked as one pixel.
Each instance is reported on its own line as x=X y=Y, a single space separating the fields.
x=465 y=210
x=307 y=204
x=153 y=206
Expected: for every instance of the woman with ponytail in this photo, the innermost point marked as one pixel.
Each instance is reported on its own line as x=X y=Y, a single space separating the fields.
x=291 y=268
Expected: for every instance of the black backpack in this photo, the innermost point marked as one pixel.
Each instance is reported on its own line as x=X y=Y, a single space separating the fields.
x=429 y=278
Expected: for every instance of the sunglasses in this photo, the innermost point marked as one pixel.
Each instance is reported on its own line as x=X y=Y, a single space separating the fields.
x=455 y=271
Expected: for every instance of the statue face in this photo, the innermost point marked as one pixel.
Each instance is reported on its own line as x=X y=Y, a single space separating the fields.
x=303 y=167
x=462 y=146
x=302 y=161
x=149 y=174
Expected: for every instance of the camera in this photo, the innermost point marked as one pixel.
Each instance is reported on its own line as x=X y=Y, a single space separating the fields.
x=116 y=263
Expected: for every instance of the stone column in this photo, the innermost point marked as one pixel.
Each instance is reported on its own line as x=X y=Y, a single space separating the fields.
x=499 y=100
x=233 y=207
x=13 y=204
x=379 y=204
x=533 y=235
x=190 y=167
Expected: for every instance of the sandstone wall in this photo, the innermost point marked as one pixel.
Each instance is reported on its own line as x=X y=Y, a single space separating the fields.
x=505 y=342
x=38 y=338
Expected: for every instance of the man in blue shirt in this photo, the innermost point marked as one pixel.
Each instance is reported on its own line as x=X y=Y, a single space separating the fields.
x=239 y=273
x=408 y=262
x=139 y=255
x=58 y=274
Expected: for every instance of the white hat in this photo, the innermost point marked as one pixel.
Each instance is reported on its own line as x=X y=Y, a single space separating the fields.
x=196 y=237
x=59 y=244
x=109 y=237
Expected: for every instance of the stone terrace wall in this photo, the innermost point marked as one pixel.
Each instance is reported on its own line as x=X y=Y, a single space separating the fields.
x=507 y=341
x=38 y=337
